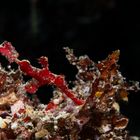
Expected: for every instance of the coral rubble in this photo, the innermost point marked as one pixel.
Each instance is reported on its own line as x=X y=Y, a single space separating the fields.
x=88 y=111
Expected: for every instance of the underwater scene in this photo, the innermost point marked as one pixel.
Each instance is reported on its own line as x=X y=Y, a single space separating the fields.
x=69 y=70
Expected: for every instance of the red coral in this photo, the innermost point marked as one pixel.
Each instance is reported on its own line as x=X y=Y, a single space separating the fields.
x=26 y=119
x=39 y=76
x=51 y=105
x=7 y=50
x=44 y=76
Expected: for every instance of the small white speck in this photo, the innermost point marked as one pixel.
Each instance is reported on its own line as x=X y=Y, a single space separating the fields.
x=56 y=101
x=14 y=125
x=55 y=127
x=9 y=66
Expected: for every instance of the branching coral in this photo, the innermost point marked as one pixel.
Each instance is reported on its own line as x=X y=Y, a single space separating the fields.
x=88 y=111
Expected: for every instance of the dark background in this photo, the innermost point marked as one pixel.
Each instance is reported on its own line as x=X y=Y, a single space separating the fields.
x=92 y=27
